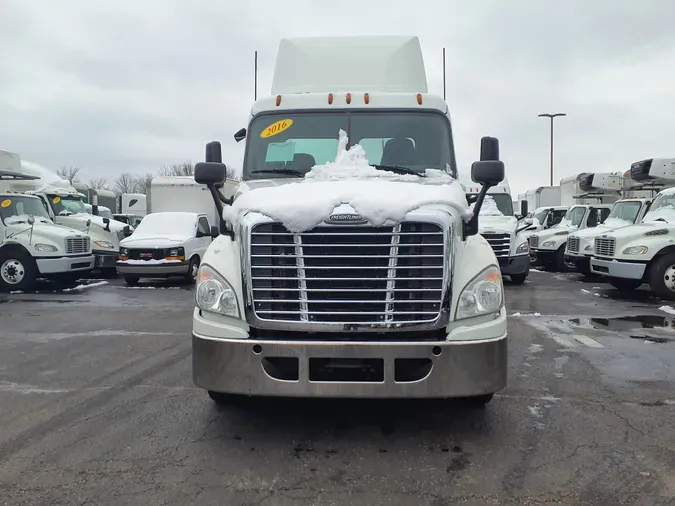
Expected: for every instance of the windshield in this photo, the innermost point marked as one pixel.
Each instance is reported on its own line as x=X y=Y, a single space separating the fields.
x=290 y=144
x=573 y=217
x=495 y=205
x=625 y=211
x=541 y=215
x=663 y=207
x=21 y=206
x=66 y=205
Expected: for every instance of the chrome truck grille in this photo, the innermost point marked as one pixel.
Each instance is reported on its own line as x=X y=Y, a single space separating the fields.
x=77 y=245
x=604 y=246
x=348 y=275
x=573 y=244
x=534 y=241
x=501 y=243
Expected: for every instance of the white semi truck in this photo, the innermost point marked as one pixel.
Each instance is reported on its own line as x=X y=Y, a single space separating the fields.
x=504 y=230
x=644 y=252
x=594 y=195
x=356 y=275
x=32 y=246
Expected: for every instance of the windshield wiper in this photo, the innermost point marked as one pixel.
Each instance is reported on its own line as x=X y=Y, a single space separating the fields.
x=398 y=170
x=292 y=172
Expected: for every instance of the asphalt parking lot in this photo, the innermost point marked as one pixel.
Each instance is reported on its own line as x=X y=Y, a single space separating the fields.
x=97 y=406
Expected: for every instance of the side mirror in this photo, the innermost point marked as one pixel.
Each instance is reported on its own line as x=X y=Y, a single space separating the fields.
x=523 y=208
x=31 y=220
x=487 y=172
x=210 y=173
x=214 y=231
x=126 y=231
x=240 y=135
x=214 y=152
x=489 y=150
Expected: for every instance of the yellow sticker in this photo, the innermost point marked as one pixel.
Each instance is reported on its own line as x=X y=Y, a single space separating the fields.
x=6 y=203
x=56 y=200
x=276 y=128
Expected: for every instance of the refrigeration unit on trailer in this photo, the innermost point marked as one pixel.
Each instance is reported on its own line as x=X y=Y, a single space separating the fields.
x=503 y=229
x=644 y=252
x=32 y=246
x=350 y=275
x=595 y=194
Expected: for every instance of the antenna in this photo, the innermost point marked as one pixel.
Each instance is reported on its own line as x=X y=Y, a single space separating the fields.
x=255 y=75
x=444 y=74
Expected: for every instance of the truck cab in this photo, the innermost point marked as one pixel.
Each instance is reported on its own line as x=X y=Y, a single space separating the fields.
x=348 y=262
x=503 y=229
x=544 y=218
x=643 y=252
x=32 y=246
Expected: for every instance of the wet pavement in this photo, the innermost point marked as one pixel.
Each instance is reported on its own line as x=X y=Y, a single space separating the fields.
x=97 y=407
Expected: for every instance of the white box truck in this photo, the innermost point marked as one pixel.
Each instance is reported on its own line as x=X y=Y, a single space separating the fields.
x=350 y=265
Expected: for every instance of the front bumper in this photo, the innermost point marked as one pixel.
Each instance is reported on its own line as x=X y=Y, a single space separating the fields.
x=618 y=269
x=105 y=259
x=63 y=265
x=154 y=270
x=451 y=368
x=578 y=261
x=542 y=256
x=514 y=265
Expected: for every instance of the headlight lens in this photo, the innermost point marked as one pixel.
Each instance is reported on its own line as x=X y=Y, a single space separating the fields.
x=176 y=252
x=523 y=248
x=214 y=294
x=548 y=244
x=104 y=244
x=45 y=248
x=124 y=252
x=635 y=250
x=484 y=294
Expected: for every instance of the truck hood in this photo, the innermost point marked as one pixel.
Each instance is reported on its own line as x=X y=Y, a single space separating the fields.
x=635 y=231
x=79 y=221
x=153 y=242
x=554 y=231
x=42 y=229
x=497 y=224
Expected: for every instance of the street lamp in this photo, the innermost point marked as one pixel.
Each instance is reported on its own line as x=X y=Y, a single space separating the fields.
x=551 y=116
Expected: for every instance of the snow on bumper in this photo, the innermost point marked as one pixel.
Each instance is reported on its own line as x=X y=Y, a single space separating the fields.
x=471 y=361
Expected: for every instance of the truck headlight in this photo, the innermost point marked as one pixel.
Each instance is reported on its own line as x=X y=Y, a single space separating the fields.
x=45 y=248
x=214 y=294
x=104 y=244
x=124 y=252
x=176 y=252
x=548 y=244
x=523 y=248
x=484 y=294
x=635 y=250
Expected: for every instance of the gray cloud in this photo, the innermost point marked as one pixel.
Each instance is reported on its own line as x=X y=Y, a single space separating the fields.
x=115 y=86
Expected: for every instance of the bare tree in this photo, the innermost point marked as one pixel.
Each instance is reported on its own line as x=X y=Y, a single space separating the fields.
x=142 y=183
x=232 y=173
x=68 y=172
x=177 y=169
x=125 y=183
x=99 y=184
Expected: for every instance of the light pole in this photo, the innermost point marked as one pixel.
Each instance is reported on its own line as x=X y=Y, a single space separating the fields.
x=551 y=116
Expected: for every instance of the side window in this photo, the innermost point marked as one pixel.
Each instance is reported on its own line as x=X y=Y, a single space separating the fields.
x=604 y=213
x=203 y=225
x=556 y=217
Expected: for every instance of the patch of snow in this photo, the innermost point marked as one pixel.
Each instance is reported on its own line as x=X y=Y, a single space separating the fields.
x=150 y=261
x=166 y=225
x=537 y=314
x=585 y=291
x=139 y=287
x=516 y=314
x=535 y=348
x=667 y=309
x=615 y=222
x=535 y=411
x=549 y=398
x=15 y=292
x=23 y=219
x=379 y=196
x=25 y=389
x=82 y=287
x=489 y=207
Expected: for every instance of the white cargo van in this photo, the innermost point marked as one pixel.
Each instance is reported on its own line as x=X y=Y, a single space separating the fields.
x=356 y=275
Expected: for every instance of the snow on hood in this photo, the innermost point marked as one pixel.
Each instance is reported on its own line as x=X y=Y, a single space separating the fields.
x=170 y=226
x=23 y=219
x=662 y=213
x=379 y=196
x=636 y=230
x=115 y=226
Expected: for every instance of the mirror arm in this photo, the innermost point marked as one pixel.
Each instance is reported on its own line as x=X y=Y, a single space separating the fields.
x=471 y=228
x=219 y=200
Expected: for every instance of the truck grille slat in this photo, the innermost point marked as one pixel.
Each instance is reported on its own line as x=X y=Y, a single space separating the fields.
x=605 y=246
x=573 y=244
x=348 y=274
x=77 y=245
x=501 y=243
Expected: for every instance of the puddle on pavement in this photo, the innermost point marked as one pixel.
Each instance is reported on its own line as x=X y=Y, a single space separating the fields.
x=624 y=323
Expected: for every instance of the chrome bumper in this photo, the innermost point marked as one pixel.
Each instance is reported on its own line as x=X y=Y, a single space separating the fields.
x=153 y=270
x=454 y=368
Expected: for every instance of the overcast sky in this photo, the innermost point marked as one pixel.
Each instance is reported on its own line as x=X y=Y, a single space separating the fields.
x=125 y=86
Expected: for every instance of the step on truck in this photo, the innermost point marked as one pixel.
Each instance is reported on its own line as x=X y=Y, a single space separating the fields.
x=504 y=229
x=32 y=246
x=348 y=262
x=644 y=252
x=594 y=193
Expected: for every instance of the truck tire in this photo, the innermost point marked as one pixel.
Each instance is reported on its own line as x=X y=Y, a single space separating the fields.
x=662 y=277
x=518 y=279
x=625 y=285
x=479 y=401
x=560 y=259
x=131 y=280
x=18 y=270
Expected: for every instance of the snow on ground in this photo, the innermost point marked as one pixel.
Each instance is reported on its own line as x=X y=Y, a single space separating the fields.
x=668 y=309
x=379 y=196
x=82 y=287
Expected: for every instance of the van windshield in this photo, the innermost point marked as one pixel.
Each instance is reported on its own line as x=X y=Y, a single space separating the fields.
x=290 y=144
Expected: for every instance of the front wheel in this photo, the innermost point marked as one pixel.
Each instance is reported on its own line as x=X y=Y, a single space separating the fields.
x=131 y=280
x=518 y=279
x=18 y=270
x=560 y=259
x=193 y=269
x=662 y=277
x=625 y=285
